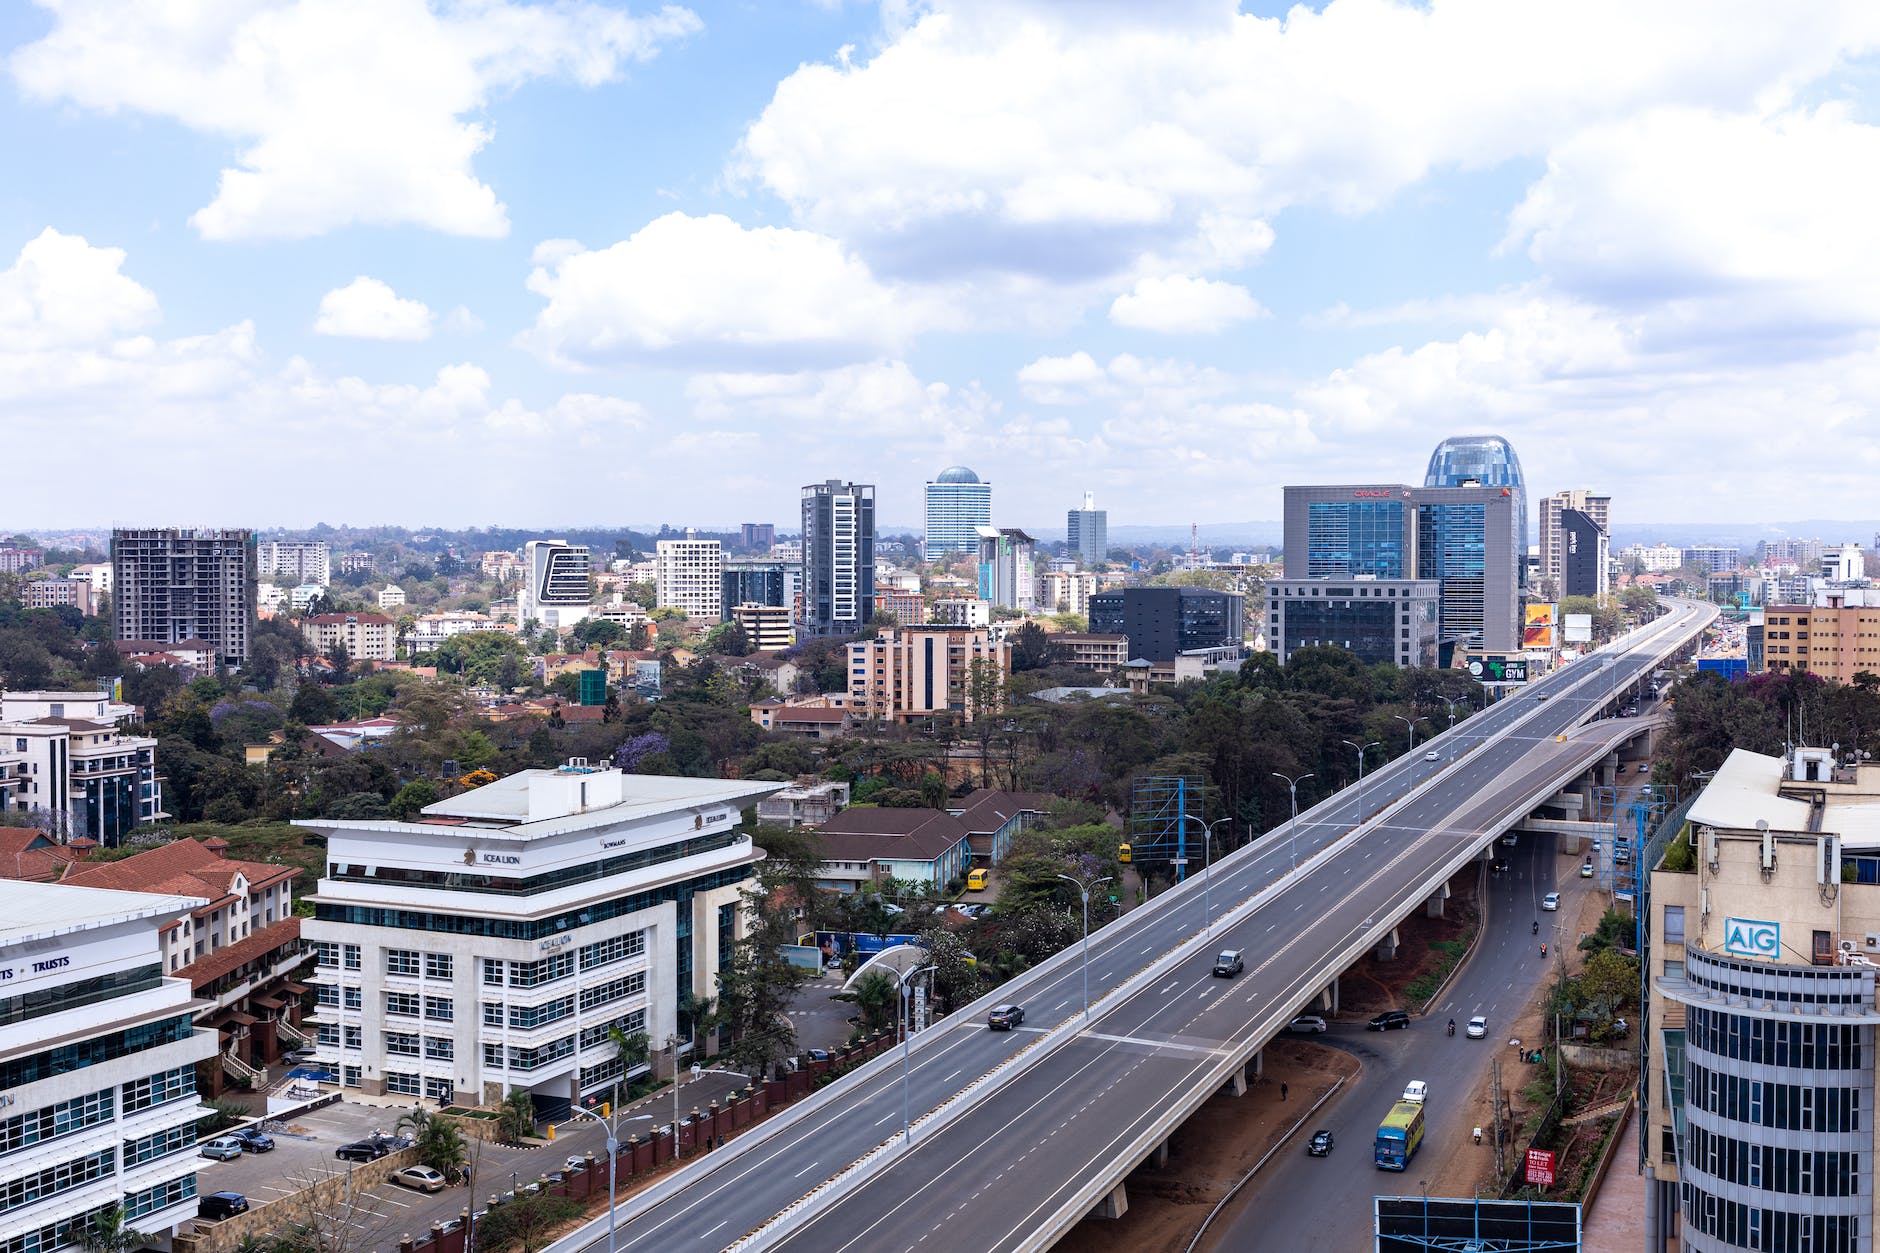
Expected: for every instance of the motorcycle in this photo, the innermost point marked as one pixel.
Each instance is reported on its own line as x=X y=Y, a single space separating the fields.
x=1537 y=928
x=1543 y=950
x=1452 y=1026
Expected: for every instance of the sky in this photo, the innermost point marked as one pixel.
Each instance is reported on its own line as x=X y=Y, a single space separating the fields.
x=580 y=263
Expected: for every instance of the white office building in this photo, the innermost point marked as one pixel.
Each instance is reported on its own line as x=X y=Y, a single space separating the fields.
x=555 y=589
x=688 y=575
x=291 y=561
x=958 y=504
x=98 y=1055
x=492 y=944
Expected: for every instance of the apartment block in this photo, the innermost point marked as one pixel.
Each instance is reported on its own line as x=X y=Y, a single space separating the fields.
x=768 y=628
x=1100 y=654
x=689 y=576
x=908 y=608
x=1008 y=574
x=177 y=584
x=1066 y=591
x=55 y=592
x=1835 y=638
x=20 y=560
x=65 y=763
x=918 y=671
x=838 y=558
x=961 y=611
x=365 y=636
x=292 y=561
x=1575 y=530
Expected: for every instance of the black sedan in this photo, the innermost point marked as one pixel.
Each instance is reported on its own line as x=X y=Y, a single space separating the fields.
x=1320 y=1145
x=362 y=1151
x=253 y=1141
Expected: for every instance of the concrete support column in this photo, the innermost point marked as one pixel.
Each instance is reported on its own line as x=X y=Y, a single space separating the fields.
x=1236 y=1085
x=1113 y=1205
x=1433 y=908
x=1386 y=949
x=1158 y=1157
x=1258 y=1065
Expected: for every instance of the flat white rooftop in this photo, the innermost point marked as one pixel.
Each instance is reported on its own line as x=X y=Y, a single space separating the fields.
x=32 y=910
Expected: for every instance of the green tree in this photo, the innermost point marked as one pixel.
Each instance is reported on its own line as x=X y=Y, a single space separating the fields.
x=515 y=1117
x=412 y=798
x=525 y=1223
x=876 y=998
x=631 y=1049
x=109 y=1231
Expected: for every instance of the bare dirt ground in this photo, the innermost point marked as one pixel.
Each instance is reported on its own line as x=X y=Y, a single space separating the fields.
x=1370 y=985
x=1212 y=1150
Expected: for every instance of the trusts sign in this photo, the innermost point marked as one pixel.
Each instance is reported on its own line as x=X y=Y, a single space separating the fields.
x=1752 y=937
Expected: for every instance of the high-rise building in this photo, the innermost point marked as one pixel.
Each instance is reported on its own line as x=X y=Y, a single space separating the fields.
x=1554 y=542
x=1791 y=551
x=290 y=562
x=555 y=586
x=1068 y=592
x=761 y=581
x=1756 y=1098
x=1828 y=639
x=917 y=671
x=1007 y=574
x=766 y=628
x=838 y=557
x=1388 y=621
x=688 y=575
x=177 y=584
x=958 y=504
x=1089 y=532
x=758 y=536
x=1162 y=622
x=1586 y=555
x=1450 y=549
x=1712 y=557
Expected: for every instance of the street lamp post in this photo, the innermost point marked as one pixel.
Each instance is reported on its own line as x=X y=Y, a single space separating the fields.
x=907 y=1115
x=1361 y=749
x=1292 y=786
x=1207 y=867
x=672 y=1046
x=1083 y=890
x=1411 y=723
x=613 y=1149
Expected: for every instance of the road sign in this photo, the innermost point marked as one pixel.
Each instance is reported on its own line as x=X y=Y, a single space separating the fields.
x=1540 y=1167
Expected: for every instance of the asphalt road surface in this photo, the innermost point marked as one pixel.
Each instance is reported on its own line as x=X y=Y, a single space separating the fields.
x=1030 y=1138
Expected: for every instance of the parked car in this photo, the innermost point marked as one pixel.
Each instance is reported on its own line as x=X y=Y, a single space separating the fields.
x=362 y=1151
x=1228 y=964
x=890 y=908
x=575 y=1162
x=1508 y=839
x=1320 y=1145
x=1005 y=1017
x=219 y=1205
x=1388 y=1020
x=1478 y=1027
x=1644 y=767
x=421 y=1178
x=1417 y=1091
x=296 y=1057
x=1309 y=1024
x=252 y=1140
x=222 y=1148
x=816 y=1055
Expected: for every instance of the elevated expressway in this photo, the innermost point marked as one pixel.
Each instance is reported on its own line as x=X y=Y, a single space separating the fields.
x=1017 y=1136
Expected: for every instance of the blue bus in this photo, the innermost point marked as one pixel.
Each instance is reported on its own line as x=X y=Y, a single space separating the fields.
x=1399 y=1136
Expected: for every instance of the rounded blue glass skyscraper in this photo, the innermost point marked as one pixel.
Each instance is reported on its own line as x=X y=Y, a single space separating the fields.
x=1488 y=461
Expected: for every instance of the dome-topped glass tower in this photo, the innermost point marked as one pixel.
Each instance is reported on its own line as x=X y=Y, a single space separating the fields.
x=958 y=504
x=1486 y=461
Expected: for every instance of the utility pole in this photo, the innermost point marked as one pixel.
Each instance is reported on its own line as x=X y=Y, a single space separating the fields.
x=1495 y=1095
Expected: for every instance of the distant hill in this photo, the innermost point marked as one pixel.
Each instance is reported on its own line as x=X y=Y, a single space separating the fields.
x=1743 y=534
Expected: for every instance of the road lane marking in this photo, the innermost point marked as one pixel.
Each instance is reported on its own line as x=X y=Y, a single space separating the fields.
x=812 y=1166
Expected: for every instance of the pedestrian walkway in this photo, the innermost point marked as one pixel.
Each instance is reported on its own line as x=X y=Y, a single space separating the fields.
x=1615 y=1221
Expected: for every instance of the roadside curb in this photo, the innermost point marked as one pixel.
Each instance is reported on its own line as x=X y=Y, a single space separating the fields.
x=1265 y=1157
x=1468 y=958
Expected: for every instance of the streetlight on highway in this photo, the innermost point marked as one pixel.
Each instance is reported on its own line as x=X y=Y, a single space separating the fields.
x=1207 y=866
x=907 y=1117
x=1411 y=723
x=613 y=1148
x=1466 y=703
x=1361 y=749
x=1292 y=785
x=1083 y=890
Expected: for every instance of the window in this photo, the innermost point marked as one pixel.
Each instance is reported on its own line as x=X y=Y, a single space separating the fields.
x=349 y=1076
x=492 y=1014
x=534 y=974
x=328 y=953
x=158 y=1144
x=355 y=1036
x=52 y=1121
x=439 y=1048
x=355 y=999
x=529 y=1017
x=613 y=990
x=620 y=947
x=326 y=994
x=437 y=965
x=401 y=961
x=1673 y=969
x=167 y=1085
x=492 y=1054
x=351 y=955
x=493 y=971
x=402 y=1003
x=401 y=1043
x=56 y=1179
x=439 y=1009
x=152 y=1199
x=402 y=1081
x=437 y=1089
x=327 y=1035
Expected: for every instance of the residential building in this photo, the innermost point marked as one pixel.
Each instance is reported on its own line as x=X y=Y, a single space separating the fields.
x=689 y=576
x=1843 y=563
x=391 y=596
x=1163 y=621
x=73 y=770
x=1067 y=592
x=790 y=552
x=961 y=611
x=365 y=636
x=1795 y=552
x=53 y=592
x=356 y=563
x=905 y=606
x=239 y=947
x=503 y=567
x=874 y=846
x=1089 y=532
x=1652 y=558
x=493 y=944
x=912 y=672
x=838 y=558
x=767 y=628
x=555 y=583
x=992 y=817
x=806 y=805
x=757 y=536
x=622 y=613
x=1757 y=1090
x=96 y=573
x=302 y=597
x=176 y=584
x=432 y=629
x=98 y=1057
x=20 y=560
x=761 y=581
x=1835 y=638
x=958 y=504
x=809 y=718
x=1100 y=654
x=1564 y=538
x=269 y=599
x=1712 y=557
x=1008 y=576
x=198 y=655
x=291 y=561
x=1381 y=621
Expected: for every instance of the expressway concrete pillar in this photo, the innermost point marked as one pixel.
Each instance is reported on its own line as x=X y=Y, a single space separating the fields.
x=1257 y=1066
x=1114 y=1205
x=1386 y=950
x=1158 y=1157
x=1433 y=908
x=1236 y=1084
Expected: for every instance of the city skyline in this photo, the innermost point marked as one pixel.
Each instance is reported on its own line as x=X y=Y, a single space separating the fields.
x=606 y=247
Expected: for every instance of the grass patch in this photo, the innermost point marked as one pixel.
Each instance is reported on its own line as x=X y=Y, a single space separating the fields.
x=1448 y=953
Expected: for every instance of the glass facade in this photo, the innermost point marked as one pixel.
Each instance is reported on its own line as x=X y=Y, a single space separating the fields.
x=958 y=504
x=1344 y=538
x=1452 y=545
x=1488 y=460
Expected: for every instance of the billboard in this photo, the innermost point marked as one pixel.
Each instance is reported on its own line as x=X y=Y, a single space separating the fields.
x=1537 y=625
x=1579 y=628
x=1498 y=669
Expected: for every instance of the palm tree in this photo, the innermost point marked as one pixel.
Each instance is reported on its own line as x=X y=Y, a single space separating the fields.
x=874 y=995
x=515 y=1117
x=415 y=1122
x=441 y=1147
x=110 y=1232
x=631 y=1049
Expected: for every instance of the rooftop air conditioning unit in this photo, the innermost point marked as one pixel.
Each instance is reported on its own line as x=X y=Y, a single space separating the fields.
x=1847 y=946
x=1871 y=941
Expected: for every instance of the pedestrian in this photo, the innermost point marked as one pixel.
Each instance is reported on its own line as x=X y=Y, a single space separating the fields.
x=1282 y=1091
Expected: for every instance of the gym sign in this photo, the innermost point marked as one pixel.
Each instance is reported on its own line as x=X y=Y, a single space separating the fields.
x=1751 y=937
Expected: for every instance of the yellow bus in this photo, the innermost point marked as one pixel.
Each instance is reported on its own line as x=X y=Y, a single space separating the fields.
x=975 y=880
x=1399 y=1136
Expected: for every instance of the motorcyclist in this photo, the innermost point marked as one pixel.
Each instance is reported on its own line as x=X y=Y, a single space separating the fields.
x=1543 y=950
x=1452 y=1026
x=1537 y=926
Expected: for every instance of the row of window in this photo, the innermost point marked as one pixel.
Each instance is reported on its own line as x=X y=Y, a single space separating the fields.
x=407 y=1044
x=411 y=1005
x=1777 y=984
x=530 y=1058
x=535 y=884
x=333 y=996
x=628 y=1024
x=52 y=1121
x=1809 y=1046
x=527 y=974
x=613 y=990
x=528 y=929
x=1802 y=1172
x=159 y=1144
x=328 y=953
x=1784 y=1106
x=162 y=1196
x=409 y=963
x=56 y=1179
x=528 y=1017
x=102 y=1048
x=1752 y=1227
x=619 y=948
x=159 y=1089
x=43 y=1001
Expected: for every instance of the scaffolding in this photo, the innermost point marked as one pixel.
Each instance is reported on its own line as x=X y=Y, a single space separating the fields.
x=1627 y=818
x=1160 y=808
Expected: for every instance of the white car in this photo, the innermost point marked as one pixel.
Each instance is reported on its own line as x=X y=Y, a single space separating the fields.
x=1432 y=755
x=1417 y=1091
x=1478 y=1027
x=1551 y=901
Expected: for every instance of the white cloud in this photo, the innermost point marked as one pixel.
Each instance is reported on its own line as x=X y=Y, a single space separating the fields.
x=61 y=291
x=344 y=111
x=367 y=308
x=707 y=291
x=1181 y=305
x=883 y=398
x=1075 y=142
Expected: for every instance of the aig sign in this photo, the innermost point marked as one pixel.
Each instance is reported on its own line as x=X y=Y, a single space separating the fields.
x=1751 y=937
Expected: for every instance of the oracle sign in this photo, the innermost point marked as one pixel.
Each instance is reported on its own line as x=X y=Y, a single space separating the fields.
x=1366 y=492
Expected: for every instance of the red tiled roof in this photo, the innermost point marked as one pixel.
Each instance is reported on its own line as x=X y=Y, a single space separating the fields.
x=31 y=855
x=811 y=713
x=212 y=966
x=179 y=868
